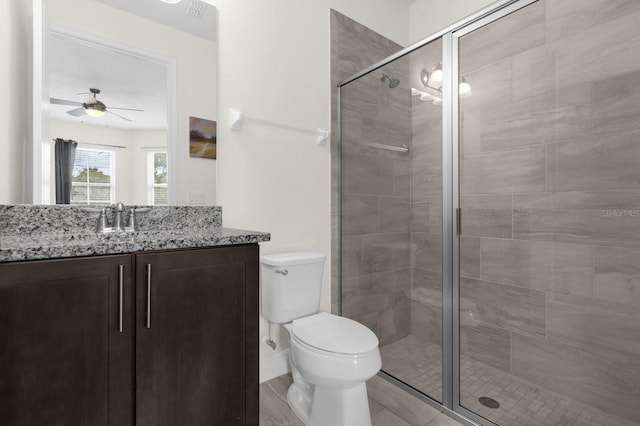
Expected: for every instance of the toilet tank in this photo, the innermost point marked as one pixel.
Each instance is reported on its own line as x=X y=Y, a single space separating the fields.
x=291 y=284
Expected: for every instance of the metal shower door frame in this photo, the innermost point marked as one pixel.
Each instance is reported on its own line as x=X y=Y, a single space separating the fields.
x=451 y=193
x=450 y=203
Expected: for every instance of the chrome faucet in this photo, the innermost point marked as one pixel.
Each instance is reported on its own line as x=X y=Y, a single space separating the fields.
x=118 y=222
x=103 y=227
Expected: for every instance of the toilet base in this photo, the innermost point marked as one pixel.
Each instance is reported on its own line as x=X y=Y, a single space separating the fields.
x=330 y=406
x=299 y=403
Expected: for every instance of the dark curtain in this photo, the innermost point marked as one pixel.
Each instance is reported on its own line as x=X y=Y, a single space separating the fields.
x=65 y=155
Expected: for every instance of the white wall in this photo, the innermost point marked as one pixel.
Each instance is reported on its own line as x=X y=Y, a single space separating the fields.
x=196 y=61
x=15 y=48
x=274 y=63
x=428 y=16
x=131 y=162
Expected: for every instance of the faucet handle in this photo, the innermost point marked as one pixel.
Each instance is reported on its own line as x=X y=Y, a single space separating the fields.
x=133 y=222
x=102 y=225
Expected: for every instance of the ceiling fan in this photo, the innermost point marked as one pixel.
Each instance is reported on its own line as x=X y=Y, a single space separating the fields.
x=90 y=105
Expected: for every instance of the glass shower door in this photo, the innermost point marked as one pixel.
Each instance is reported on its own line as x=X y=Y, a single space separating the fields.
x=549 y=261
x=391 y=213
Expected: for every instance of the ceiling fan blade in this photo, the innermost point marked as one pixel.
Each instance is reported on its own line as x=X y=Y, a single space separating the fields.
x=128 y=109
x=119 y=116
x=78 y=112
x=54 y=101
x=87 y=98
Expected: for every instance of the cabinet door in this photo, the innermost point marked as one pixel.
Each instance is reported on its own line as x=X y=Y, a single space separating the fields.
x=63 y=359
x=196 y=338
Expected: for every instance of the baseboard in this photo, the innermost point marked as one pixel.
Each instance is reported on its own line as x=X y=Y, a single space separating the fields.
x=274 y=365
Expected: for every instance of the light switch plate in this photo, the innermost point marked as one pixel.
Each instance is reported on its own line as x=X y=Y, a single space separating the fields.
x=197 y=198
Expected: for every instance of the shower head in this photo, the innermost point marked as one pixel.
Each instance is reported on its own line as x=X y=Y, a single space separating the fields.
x=393 y=82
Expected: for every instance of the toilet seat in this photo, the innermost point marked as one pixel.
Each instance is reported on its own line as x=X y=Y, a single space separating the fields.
x=334 y=335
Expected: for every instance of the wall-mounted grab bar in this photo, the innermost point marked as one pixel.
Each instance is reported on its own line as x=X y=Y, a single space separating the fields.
x=237 y=118
x=402 y=148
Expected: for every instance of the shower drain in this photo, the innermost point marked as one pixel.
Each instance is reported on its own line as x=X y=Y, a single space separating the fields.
x=489 y=402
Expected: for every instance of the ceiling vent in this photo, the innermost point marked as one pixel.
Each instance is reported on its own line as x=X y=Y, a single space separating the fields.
x=196 y=17
x=196 y=9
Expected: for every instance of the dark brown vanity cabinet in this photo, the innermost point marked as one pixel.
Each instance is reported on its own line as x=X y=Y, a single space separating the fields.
x=187 y=353
x=196 y=337
x=63 y=357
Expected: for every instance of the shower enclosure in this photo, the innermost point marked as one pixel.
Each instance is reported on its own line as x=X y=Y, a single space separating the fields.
x=489 y=214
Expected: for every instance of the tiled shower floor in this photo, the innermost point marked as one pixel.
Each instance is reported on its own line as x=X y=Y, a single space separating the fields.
x=522 y=403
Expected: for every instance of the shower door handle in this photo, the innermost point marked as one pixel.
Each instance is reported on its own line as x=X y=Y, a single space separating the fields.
x=459 y=221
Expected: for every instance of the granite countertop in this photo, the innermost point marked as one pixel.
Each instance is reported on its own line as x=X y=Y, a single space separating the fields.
x=50 y=246
x=19 y=240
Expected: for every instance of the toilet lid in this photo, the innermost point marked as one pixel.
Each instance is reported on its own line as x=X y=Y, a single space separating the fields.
x=334 y=334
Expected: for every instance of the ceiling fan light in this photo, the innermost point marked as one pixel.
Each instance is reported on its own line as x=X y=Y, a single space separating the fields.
x=96 y=113
x=171 y=1
x=96 y=110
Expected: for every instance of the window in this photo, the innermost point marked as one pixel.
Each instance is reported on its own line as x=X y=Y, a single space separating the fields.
x=93 y=180
x=157 y=178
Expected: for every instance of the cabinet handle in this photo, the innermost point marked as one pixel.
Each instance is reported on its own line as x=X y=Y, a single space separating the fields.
x=120 y=295
x=148 y=295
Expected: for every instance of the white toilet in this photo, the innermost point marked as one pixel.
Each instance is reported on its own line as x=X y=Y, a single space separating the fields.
x=331 y=357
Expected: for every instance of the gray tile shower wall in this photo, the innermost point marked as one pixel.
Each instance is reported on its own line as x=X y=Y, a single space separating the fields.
x=550 y=198
x=352 y=49
x=551 y=284
x=376 y=183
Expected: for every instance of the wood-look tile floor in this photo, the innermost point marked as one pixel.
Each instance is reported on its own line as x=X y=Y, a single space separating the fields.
x=522 y=403
x=389 y=406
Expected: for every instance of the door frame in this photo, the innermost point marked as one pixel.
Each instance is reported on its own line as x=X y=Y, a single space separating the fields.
x=451 y=193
